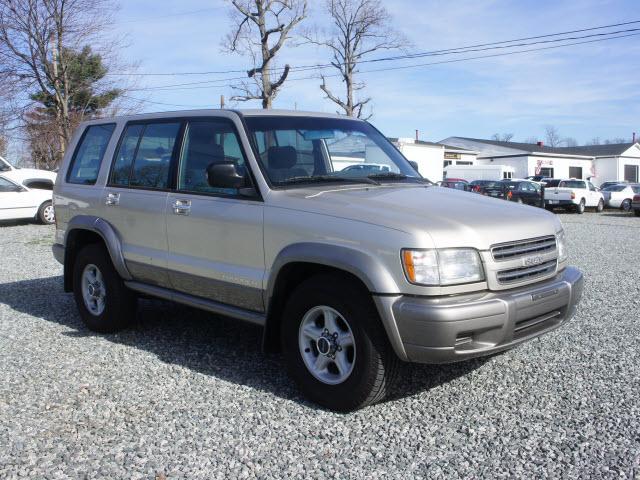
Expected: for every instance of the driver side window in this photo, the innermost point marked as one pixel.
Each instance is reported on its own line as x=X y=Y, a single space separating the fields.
x=207 y=143
x=6 y=186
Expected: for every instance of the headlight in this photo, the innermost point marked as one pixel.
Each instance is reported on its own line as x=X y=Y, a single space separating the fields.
x=561 y=242
x=442 y=267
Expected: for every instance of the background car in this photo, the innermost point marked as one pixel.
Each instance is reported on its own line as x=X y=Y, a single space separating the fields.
x=520 y=191
x=19 y=201
x=480 y=186
x=20 y=175
x=620 y=196
x=635 y=205
x=457 y=183
x=367 y=168
x=608 y=184
x=541 y=179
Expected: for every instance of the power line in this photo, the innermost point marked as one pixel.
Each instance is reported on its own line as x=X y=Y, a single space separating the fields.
x=222 y=82
x=478 y=57
x=464 y=49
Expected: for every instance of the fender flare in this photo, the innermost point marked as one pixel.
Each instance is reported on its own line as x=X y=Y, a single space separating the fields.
x=367 y=268
x=373 y=274
x=109 y=236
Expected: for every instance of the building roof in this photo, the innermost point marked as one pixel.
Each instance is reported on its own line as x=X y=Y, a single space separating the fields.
x=613 y=149
x=609 y=150
x=415 y=142
x=525 y=147
x=452 y=147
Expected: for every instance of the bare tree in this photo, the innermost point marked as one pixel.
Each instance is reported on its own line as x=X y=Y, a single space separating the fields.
x=34 y=36
x=570 y=142
x=552 y=136
x=359 y=28
x=505 y=137
x=594 y=141
x=260 y=30
x=531 y=140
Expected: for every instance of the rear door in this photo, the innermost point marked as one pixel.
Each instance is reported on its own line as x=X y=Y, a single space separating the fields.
x=215 y=234
x=594 y=195
x=135 y=197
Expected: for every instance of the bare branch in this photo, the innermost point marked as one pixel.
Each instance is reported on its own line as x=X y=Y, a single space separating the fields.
x=260 y=30
x=359 y=28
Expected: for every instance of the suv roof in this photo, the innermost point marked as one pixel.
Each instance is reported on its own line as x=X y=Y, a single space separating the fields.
x=217 y=111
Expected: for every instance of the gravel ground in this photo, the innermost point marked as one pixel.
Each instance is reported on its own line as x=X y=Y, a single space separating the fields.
x=186 y=395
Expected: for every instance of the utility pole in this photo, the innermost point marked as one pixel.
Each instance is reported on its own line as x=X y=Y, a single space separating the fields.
x=221 y=101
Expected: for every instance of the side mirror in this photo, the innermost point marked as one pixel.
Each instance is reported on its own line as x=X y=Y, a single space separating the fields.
x=414 y=165
x=225 y=175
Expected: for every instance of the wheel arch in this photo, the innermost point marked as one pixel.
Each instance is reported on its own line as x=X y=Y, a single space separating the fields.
x=299 y=262
x=83 y=230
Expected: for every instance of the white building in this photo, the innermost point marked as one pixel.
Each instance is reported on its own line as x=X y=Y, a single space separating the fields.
x=432 y=157
x=601 y=163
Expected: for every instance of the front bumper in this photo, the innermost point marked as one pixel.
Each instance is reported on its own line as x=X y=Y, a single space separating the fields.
x=635 y=205
x=560 y=203
x=455 y=328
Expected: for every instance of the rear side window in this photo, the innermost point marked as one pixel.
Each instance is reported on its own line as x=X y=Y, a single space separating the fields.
x=151 y=165
x=124 y=158
x=86 y=160
x=144 y=156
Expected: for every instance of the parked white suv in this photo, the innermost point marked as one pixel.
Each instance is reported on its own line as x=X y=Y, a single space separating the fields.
x=573 y=194
x=348 y=272
x=18 y=201
x=19 y=175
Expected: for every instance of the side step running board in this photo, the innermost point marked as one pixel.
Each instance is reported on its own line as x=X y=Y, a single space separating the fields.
x=201 y=303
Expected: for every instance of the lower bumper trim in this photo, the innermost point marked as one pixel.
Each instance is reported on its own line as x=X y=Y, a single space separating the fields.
x=451 y=329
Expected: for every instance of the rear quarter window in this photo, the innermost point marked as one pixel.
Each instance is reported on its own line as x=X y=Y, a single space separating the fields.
x=89 y=153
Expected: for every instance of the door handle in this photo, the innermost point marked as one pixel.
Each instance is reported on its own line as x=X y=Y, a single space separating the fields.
x=182 y=207
x=112 y=199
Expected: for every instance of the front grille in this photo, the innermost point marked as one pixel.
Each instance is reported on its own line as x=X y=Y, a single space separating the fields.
x=523 y=248
x=521 y=274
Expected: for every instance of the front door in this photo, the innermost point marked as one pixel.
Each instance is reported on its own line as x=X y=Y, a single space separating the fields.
x=215 y=234
x=135 y=198
x=15 y=201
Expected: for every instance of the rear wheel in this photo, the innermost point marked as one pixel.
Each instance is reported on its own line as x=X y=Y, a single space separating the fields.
x=335 y=346
x=625 y=206
x=580 y=207
x=46 y=214
x=105 y=304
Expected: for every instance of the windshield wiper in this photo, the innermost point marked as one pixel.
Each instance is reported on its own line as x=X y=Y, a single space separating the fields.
x=328 y=178
x=396 y=176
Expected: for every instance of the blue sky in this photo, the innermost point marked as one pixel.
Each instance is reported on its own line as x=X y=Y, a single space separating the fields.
x=586 y=91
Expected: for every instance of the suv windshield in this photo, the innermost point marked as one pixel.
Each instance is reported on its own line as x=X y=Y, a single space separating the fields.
x=304 y=150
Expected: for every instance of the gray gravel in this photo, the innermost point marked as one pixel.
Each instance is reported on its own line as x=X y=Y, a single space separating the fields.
x=187 y=395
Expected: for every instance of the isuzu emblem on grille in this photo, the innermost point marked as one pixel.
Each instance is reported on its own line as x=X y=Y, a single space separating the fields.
x=532 y=261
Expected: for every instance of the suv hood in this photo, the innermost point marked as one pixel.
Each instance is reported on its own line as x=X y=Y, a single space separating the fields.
x=450 y=217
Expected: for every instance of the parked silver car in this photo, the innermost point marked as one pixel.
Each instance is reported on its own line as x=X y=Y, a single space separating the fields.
x=349 y=272
x=620 y=195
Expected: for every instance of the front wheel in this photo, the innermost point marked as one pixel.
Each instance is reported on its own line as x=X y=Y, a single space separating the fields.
x=335 y=346
x=580 y=207
x=626 y=205
x=600 y=206
x=46 y=214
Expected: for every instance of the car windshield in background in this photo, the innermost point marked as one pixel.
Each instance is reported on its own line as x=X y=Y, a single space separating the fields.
x=299 y=150
x=615 y=188
x=572 y=184
x=552 y=183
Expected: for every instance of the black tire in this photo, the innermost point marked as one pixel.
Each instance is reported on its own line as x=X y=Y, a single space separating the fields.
x=43 y=213
x=625 y=206
x=580 y=207
x=636 y=213
x=120 y=302
x=600 y=206
x=376 y=364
